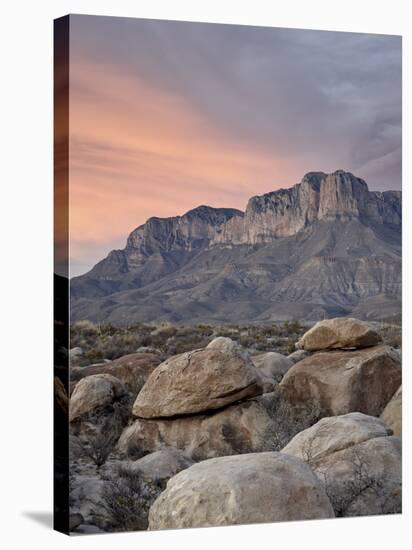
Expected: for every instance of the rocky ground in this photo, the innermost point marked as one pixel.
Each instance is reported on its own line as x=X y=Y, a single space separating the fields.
x=229 y=432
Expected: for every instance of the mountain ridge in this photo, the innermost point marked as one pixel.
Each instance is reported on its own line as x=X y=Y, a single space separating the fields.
x=175 y=268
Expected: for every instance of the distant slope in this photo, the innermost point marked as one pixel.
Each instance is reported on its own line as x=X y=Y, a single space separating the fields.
x=325 y=247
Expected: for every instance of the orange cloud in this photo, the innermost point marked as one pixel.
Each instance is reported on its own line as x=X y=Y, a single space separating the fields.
x=137 y=151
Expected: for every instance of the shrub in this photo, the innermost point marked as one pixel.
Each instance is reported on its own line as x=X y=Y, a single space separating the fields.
x=127 y=499
x=289 y=420
x=102 y=438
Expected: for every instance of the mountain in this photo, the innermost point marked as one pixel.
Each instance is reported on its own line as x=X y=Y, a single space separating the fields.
x=325 y=247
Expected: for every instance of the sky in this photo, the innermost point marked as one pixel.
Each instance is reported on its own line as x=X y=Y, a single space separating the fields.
x=166 y=116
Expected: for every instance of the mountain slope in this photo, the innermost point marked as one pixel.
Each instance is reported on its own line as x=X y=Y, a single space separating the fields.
x=325 y=247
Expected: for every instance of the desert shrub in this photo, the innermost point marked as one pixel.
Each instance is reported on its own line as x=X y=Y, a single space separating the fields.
x=291 y=347
x=246 y=341
x=107 y=341
x=288 y=420
x=101 y=439
x=205 y=330
x=127 y=499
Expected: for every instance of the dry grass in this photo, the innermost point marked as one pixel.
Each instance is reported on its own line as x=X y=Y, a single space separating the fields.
x=100 y=342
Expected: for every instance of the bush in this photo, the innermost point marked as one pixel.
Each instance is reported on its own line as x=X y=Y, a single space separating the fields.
x=102 y=438
x=127 y=499
x=289 y=420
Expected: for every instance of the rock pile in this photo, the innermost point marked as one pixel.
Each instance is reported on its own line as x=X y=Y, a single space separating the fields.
x=214 y=405
x=207 y=402
x=346 y=380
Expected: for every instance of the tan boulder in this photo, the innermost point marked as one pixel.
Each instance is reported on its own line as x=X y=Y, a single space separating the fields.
x=197 y=381
x=333 y=434
x=249 y=488
x=94 y=392
x=272 y=365
x=356 y=461
x=337 y=334
x=238 y=428
x=339 y=382
x=365 y=479
x=133 y=369
x=158 y=466
x=392 y=413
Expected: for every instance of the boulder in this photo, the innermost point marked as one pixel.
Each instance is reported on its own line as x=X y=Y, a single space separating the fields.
x=158 y=466
x=356 y=460
x=365 y=479
x=272 y=365
x=133 y=369
x=339 y=333
x=333 y=434
x=298 y=355
x=86 y=497
x=239 y=428
x=198 y=381
x=340 y=382
x=94 y=392
x=225 y=345
x=392 y=413
x=250 y=488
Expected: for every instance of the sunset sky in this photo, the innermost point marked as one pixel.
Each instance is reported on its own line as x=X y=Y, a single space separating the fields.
x=165 y=116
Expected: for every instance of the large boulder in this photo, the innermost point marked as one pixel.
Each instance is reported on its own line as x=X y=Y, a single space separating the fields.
x=392 y=413
x=333 y=434
x=365 y=479
x=340 y=382
x=250 y=488
x=339 y=333
x=93 y=393
x=272 y=365
x=197 y=381
x=239 y=428
x=133 y=369
x=356 y=461
x=158 y=466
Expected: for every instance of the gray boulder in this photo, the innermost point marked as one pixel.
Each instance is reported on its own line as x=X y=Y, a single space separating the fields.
x=249 y=488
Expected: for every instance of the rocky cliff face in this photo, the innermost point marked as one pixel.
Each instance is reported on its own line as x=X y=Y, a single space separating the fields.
x=338 y=196
x=326 y=246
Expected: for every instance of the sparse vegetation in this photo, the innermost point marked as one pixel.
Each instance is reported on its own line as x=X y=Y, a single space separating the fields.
x=99 y=342
x=289 y=420
x=391 y=334
x=100 y=440
x=127 y=499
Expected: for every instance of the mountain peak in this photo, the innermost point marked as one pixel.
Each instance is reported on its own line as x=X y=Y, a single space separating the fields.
x=292 y=252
